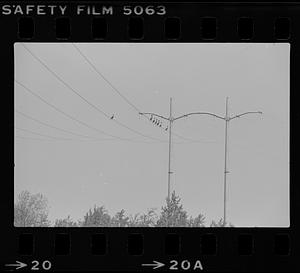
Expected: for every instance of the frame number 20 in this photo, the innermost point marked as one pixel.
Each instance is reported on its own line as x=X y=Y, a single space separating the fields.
x=45 y=265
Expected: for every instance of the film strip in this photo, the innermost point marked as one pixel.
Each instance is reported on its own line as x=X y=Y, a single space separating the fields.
x=143 y=248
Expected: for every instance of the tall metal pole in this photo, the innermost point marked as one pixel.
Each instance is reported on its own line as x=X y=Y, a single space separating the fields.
x=227 y=118
x=225 y=161
x=170 y=147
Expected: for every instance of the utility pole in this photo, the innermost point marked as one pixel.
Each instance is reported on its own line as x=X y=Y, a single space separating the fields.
x=226 y=118
x=225 y=159
x=170 y=146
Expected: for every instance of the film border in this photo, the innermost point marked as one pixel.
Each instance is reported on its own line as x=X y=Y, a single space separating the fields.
x=226 y=257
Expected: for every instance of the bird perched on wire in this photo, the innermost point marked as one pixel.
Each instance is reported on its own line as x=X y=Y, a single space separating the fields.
x=112 y=117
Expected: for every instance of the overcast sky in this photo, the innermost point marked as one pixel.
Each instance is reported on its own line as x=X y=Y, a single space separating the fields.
x=76 y=173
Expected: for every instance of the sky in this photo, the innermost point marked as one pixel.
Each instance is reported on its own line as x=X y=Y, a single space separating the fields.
x=77 y=167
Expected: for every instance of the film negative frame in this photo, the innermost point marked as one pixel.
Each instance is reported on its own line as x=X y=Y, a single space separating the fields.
x=163 y=249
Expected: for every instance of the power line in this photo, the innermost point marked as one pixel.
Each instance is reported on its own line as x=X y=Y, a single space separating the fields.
x=105 y=79
x=49 y=138
x=190 y=140
x=93 y=140
x=114 y=88
x=34 y=138
x=84 y=99
x=69 y=116
x=43 y=135
x=50 y=126
x=65 y=83
x=76 y=134
x=82 y=123
x=53 y=138
x=117 y=90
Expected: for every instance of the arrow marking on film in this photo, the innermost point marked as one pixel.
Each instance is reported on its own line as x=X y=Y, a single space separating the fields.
x=18 y=265
x=155 y=264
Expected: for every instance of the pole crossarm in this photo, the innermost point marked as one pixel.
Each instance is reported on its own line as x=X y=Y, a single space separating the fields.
x=199 y=113
x=156 y=115
x=246 y=113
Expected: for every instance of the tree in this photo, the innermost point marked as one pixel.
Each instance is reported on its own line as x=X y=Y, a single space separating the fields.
x=120 y=220
x=31 y=210
x=96 y=218
x=221 y=223
x=133 y=220
x=66 y=222
x=147 y=219
x=197 y=221
x=173 y=214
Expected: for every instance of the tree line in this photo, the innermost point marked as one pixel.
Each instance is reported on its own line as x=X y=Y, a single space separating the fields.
x=31 y=210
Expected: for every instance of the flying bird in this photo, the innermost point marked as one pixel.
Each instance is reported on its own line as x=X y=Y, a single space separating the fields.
x=112 y=116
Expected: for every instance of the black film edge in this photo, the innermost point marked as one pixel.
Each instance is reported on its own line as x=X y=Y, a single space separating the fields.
x=32 y=29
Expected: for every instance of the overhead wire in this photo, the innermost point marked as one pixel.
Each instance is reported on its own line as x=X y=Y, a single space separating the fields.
x=70 y=116
x=88 y=138
x=39 y=134
x=31 y=138
x=84 y=99
x=53 y=138
x=196 y=140
x=105 y=79
x=109 y=82
x=50 y=126
x=117 y=90
x=82 y=140
x=131 y=104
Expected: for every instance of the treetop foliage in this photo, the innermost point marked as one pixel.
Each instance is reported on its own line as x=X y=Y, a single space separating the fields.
x=31 y=210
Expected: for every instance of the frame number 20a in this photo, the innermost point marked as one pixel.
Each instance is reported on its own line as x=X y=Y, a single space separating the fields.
x=185 y=265
x=176 y=265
